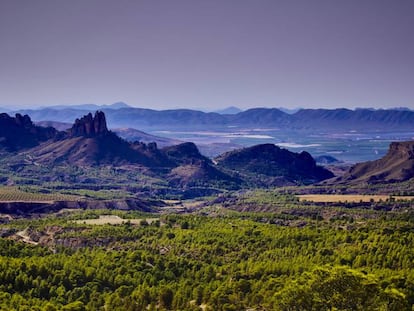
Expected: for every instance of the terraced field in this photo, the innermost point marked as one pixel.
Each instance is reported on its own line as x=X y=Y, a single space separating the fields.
x=15 y=194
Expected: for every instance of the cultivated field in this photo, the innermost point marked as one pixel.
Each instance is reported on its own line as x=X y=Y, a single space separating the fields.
x=352 y=198
x=14 y=194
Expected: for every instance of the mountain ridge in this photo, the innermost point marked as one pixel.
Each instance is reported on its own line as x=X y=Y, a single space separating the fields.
x=304 y=119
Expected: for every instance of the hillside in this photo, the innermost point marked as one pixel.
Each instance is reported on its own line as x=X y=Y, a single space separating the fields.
x=89 y=142
x=273 y=165
x=396 y=165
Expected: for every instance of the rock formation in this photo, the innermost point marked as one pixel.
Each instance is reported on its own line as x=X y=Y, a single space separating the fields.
x=89 y=125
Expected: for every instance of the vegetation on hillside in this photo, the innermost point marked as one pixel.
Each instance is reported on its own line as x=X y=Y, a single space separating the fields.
x=217 y=259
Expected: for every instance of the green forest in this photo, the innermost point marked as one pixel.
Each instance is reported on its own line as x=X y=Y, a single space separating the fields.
x=297 y=257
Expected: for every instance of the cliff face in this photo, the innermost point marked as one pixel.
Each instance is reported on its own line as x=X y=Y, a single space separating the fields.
x=89 y=126
x=403 y=150
x=396 y=165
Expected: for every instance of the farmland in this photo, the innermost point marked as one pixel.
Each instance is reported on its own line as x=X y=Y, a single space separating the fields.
x=352 y=198
x=26 y=194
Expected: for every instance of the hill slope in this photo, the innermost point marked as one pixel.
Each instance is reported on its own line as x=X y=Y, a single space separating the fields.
x=89 y=142
x=396 y=165
x=274 y=164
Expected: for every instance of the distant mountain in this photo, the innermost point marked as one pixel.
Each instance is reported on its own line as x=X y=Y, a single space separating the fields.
x=272 y=164
x=229 y=110
x=177 y=118
x=20 y=133
x=396 y=165
x=401 y=108
x=360 y=119
x=289 y=110
x=66 y=115
x=367 y=120
x=259 y=117
x=90 y=107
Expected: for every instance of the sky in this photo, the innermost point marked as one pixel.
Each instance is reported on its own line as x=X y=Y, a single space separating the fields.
x=207 y=55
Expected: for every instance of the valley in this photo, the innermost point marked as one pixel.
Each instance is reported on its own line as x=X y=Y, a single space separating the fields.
x=91 y=221
x=185 y=155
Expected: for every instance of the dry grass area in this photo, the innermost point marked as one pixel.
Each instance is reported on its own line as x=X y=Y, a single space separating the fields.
x=354 y=198
x=14 y=194
x=113 y=220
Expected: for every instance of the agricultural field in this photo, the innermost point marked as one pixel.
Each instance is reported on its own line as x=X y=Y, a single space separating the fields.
x=353 y=198
x=27 y=194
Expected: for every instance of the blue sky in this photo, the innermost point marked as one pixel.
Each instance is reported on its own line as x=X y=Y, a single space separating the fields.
x=208 y=54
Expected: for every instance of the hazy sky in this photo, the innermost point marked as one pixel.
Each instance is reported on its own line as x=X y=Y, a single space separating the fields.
x=207 y=54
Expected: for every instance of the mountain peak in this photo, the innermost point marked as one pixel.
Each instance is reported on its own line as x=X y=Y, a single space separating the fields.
x=229 y=110
x=90 y=125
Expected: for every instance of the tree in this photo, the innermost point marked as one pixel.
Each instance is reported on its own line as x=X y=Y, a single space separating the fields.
x=337 y=288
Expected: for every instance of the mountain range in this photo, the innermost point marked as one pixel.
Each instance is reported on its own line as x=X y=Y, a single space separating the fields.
x=304 y=119
x=88 y=142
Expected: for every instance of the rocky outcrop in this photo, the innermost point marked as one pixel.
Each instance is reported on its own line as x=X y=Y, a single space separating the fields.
x=89 y=125
x=19 y=132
